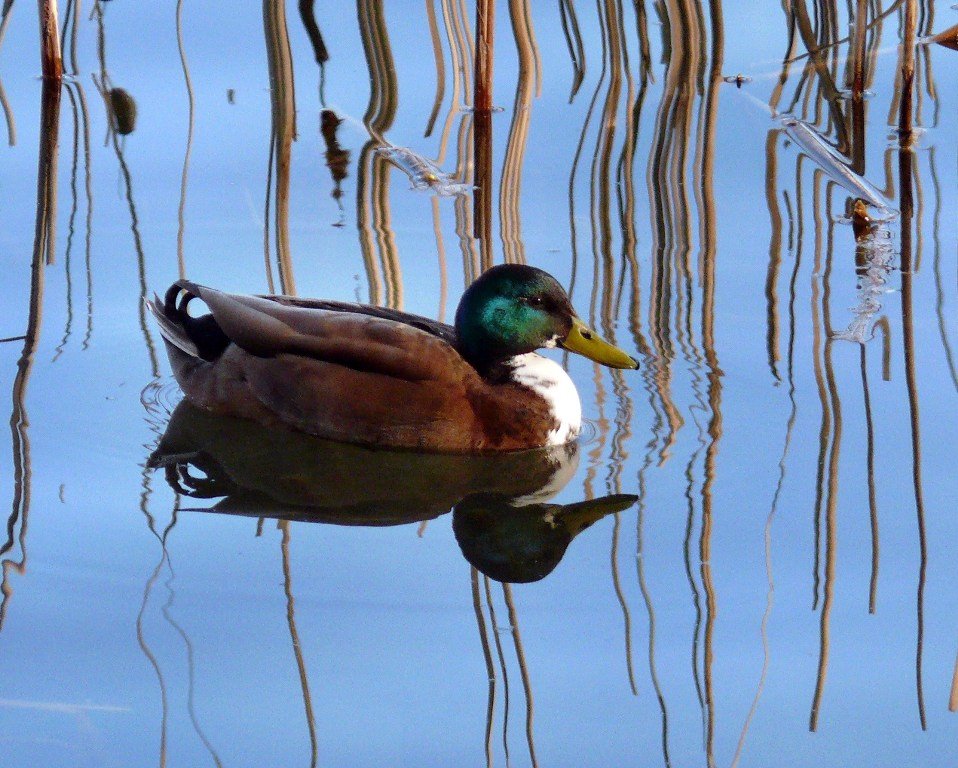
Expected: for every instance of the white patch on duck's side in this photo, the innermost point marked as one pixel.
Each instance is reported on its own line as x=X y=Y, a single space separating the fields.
x=547 y=379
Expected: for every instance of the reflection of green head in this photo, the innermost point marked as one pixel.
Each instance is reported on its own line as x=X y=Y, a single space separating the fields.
x=506 y=543
x=524 y=544
x=512 y=309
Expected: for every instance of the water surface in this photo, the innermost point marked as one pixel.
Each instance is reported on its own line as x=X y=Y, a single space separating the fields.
x=747 y=559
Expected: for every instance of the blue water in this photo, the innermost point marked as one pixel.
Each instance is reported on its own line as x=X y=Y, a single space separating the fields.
x=782 y=591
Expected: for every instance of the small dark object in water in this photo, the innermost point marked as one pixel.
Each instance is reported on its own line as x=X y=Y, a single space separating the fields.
x=862 y=224
x=122 y=111
x=312 y=31
x=739 y=80
x=337 y=158
x=230 y=96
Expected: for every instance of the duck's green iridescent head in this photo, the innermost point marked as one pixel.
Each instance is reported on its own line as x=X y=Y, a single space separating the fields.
x=512 y=309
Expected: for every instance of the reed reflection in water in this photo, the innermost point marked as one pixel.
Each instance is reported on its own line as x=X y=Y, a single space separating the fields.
x=785 y=273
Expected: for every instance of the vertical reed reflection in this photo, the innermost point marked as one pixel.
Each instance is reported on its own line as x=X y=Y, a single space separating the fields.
x=774 y=253
x=573 y=38
x=523 y=670
x=461 y=61
x=705 y=572
x=647 y=598
x=81 y=125
x=680 y=180
x=833 y=439
x=81 y=114
x=71 y=17
x=190 y=672
x=181 y=222
x=104 y=84
x=573 y=169
x=140 y=258
x=440 y=64
x=845 y=125
x=472 y=265
x=487 y=584
x=615 y=60
x=71 y=228
x=620 y=597
x=385 y=237
x=44 y=245
x=151 y=656
x=690 y=574
x=4 y=103
x=612 y=191
x=441 y=255
x=372 y=190
x=510 y=184
x=157 y=417
x=818 y=47
x=284 y=527
x=459 y=64
x=826 y=415
x=908 y=255
x=487 y=655
x=8 y=116
x=665 y=177
x=770 y=519
x=707 y=257
x=870 y=472
x=939 y=286
x=167 y=611
x=618 y=454
x=283 y=100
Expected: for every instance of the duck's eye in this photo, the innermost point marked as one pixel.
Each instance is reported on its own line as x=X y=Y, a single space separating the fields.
x=533 y=301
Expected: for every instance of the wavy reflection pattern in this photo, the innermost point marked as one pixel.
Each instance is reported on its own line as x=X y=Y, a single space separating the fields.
x=831 y=97
x=820 y=109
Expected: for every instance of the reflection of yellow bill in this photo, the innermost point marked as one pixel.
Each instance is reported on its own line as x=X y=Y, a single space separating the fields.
x=586 y=342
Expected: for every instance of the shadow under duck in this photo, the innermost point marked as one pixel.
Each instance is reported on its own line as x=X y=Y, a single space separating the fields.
x=503 y=514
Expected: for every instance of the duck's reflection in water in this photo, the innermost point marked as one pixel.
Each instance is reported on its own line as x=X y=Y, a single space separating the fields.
x=501 y=513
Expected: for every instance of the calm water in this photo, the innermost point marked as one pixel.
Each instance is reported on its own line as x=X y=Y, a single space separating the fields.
x=749 y=559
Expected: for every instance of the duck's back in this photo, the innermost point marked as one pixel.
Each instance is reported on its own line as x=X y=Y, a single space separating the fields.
x=342 y=371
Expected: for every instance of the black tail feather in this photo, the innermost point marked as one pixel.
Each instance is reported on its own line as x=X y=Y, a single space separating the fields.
x=200 y=336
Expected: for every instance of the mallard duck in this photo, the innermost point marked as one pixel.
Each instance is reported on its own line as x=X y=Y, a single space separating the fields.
x=384 y=378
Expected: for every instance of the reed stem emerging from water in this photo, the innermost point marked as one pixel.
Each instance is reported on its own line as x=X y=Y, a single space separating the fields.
x=482 y=127
x=51 y=59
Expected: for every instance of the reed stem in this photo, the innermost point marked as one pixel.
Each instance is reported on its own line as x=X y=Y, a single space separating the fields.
x=905 y=121
x=482 y=129
x=51 y=58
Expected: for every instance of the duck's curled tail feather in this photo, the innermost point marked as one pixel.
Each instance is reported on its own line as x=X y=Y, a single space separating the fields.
x=197 y=337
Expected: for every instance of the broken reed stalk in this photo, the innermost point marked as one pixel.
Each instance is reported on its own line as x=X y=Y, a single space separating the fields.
x=51 y=58
x=907 y=71
x=482 y=128
x=485 y=34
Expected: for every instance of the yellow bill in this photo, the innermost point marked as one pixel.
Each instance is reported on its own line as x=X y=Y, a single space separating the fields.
x=584 y=341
